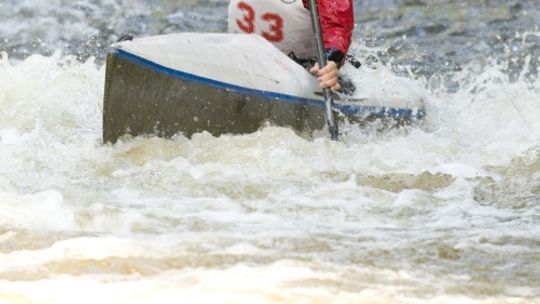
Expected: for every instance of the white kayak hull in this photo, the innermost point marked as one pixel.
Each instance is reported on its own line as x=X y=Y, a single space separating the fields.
x=220 y=83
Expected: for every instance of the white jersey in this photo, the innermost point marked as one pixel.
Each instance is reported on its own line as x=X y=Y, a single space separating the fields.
x=285 y=23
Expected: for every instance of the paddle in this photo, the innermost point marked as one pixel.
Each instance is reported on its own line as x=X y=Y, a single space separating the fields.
x=321 y=60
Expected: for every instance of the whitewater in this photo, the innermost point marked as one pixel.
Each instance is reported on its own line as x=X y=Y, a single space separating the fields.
x=444 y=211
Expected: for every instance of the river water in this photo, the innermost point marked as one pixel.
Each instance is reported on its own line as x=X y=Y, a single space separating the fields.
x=445 y=211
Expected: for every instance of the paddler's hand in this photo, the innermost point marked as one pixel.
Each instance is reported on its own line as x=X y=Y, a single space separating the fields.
x=328 y=76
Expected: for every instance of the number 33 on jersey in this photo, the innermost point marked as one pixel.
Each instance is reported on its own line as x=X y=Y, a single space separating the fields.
x=285 y=23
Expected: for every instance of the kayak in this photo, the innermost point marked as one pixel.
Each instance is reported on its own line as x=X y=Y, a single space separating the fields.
x=223 y=84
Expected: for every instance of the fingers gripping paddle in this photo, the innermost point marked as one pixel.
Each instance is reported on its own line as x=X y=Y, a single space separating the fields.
x=321 y=59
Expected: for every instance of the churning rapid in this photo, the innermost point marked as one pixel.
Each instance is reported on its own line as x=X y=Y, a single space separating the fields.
x=444 y=211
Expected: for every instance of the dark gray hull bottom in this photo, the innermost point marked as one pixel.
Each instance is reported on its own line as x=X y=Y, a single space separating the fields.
x=145 y=98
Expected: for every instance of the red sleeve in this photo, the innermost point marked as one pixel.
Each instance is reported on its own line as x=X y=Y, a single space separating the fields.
x=337 y=23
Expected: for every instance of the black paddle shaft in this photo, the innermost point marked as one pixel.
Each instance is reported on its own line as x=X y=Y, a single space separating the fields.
x=321 y=59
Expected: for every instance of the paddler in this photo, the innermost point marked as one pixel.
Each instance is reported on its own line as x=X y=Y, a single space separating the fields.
x=287 y=24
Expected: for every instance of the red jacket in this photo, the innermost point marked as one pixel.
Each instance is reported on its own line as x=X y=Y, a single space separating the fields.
x=337 y=23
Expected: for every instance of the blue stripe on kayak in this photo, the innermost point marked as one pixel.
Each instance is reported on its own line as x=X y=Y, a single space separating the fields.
x=353 y=110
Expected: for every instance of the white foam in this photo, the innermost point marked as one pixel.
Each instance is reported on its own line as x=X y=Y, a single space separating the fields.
x=281 y=282
x=81 y=249
x=43 y=211
x=270 y=193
